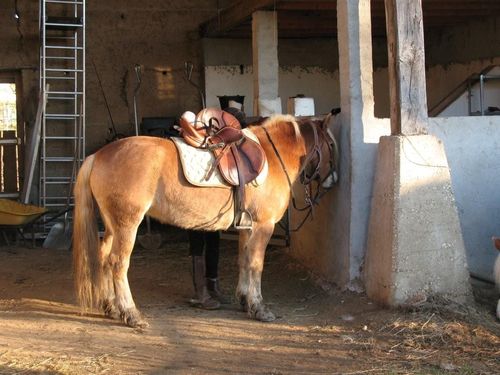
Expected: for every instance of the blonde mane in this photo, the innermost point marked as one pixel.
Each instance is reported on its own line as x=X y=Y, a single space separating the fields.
x=275 y=120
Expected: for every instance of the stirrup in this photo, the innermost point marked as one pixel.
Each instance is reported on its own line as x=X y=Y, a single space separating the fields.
x=243 y=221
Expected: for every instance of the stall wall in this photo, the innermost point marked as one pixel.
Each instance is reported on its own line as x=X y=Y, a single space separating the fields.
x=472 y=146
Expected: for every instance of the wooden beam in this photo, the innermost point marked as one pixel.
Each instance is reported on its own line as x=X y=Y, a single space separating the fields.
x=405 y=45
x=324 y=5
x=233 y=16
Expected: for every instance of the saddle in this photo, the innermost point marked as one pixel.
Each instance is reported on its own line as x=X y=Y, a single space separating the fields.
x=238 y=158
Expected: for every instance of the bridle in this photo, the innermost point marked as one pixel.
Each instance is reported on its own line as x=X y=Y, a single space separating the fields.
x=314 y=156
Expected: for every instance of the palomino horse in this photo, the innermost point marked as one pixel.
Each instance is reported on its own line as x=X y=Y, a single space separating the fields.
x=138 y=176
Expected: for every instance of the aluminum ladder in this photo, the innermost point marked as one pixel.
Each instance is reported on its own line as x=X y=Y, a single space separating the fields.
x=62 y=70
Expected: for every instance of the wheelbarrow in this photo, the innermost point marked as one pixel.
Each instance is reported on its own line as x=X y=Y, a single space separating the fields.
x=19 y=217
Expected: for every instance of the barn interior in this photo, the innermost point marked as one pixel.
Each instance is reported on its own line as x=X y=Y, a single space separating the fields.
x=141 y=54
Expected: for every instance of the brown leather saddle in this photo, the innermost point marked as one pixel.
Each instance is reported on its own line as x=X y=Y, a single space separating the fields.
x=238 y=158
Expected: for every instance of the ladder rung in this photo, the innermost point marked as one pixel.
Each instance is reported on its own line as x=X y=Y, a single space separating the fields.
x=65 y=92
x=57 y=116
x=55 y=204
x=60 y=97
x=57 y=37
x=61 y=138
x=62 y=70
x=66 y=78
x=60 y=57
x=60 y=181
x=63 y=21
x=53 y=24
x=57 y=158
x=64 y=47
x=57 y=179
x=64 y=2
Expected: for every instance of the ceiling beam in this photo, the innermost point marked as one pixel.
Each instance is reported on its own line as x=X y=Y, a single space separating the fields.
x=316 y=18
x=324 y=5
x=233 y=15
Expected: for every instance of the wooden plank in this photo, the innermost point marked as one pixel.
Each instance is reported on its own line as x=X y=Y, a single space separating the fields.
x=405 y=44
x=233 y=16
x=32 y=148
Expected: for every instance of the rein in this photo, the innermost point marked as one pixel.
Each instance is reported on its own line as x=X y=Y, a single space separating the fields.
x=307 y=180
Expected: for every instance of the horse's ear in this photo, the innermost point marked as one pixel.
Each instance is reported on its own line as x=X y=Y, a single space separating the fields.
x=326 y=121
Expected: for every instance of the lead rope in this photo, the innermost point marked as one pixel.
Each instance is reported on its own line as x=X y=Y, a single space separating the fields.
x=290 y=183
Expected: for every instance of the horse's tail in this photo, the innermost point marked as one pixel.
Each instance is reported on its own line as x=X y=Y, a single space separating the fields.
x=85 y=237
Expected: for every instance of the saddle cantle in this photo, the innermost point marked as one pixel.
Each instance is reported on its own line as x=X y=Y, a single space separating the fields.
x=238 y=158
x=196 y=129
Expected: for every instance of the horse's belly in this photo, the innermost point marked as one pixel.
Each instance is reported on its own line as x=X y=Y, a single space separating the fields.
x=194 y=207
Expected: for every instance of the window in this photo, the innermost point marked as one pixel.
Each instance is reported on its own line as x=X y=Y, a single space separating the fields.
x=8 y=112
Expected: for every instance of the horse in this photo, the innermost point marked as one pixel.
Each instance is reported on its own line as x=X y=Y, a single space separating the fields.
x=496 y=271
x=137 y=176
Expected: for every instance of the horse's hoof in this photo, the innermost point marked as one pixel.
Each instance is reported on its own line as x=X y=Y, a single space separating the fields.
x=244 y=303
x=134 y=320
x=110 y=311
x=264 y=315
x=136 y=323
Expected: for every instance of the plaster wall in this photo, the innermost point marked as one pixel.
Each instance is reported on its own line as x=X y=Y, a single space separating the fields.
x=315 y=82
x=472 y=146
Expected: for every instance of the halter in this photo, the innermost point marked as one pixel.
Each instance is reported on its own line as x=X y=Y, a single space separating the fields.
x=305 y=180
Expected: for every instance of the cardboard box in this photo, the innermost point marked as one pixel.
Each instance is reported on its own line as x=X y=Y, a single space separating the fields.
x=300 y=106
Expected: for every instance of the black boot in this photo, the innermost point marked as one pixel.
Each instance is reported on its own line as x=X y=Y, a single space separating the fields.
x=203 y=298
x=215 y=292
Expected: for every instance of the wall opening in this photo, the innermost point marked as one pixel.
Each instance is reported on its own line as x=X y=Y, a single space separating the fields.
x=9 y=137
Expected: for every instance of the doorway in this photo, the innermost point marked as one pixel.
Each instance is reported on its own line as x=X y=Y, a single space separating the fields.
x=11 y=134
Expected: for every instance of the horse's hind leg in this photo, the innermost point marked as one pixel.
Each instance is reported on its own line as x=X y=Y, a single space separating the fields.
x=106 y=282
x=119 y=259
x=251 y=262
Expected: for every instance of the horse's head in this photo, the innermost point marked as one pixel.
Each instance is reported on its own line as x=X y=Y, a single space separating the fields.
x=321 y=160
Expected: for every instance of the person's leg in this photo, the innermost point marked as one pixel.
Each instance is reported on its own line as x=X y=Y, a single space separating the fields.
x=212 y=240
x=196 y=245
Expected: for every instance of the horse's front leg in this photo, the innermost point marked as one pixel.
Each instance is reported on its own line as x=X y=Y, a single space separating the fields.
x=244 y=269
x=251 y=261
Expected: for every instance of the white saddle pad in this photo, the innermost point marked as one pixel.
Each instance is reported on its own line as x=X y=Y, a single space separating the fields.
x=196 y=164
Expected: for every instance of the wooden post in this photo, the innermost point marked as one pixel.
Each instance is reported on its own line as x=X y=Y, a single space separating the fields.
x=405 y=44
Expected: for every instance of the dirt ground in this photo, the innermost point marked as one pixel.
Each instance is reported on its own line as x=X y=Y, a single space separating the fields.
x=319 y=330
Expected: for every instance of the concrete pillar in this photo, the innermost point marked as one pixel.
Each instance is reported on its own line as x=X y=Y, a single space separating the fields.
x=415 y=246
x=265 y=63
x=356 y=91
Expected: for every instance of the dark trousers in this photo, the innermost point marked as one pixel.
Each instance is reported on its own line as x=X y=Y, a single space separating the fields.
x=208 y=241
